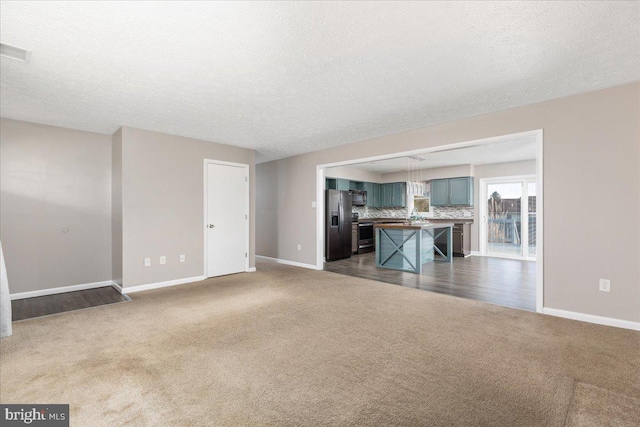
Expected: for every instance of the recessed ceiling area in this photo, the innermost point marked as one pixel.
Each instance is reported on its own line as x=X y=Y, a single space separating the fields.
x=286 y=78
x=498 y=152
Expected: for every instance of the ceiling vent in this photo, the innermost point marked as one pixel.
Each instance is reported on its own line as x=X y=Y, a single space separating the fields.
x=15 y=52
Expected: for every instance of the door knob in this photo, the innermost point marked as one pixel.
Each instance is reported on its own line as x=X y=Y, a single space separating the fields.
x=211 y=225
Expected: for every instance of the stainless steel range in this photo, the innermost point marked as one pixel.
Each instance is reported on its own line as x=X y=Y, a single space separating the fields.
x=366 y=242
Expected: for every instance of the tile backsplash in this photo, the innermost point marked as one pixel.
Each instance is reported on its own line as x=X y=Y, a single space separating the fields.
x=453 y=212
x=367 y=212
x=457 y=212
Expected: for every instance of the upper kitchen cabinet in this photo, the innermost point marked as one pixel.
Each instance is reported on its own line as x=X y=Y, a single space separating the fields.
x=393 y=194
x=399 y=194
x=439 y=192
x=452 y=191
x=356 y=185
x=386 y=195
x=461 y=191
x=337 y=184
x=389 y=195
x=373 y=194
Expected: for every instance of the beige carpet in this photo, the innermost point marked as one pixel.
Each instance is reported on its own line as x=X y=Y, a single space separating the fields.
x=288 y=346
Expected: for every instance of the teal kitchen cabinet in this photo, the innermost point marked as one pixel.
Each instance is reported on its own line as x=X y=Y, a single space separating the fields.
x=386 y=195
x=343 y=184
x=356 y=185
x=393 y=194
x=373 y=194
x=399 y=194
x=461 y=191
x=452 y=191
x=337 y=184
x=439 y=192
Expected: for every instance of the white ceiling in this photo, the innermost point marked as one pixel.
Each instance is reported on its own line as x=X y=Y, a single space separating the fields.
x=514 y=150
x=292 y=77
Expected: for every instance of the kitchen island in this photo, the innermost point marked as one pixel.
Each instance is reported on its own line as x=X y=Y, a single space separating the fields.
x=407 y=247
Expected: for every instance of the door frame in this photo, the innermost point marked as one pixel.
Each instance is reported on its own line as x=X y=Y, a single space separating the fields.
x=482 y=208
x=538 y=134
x=205 y=199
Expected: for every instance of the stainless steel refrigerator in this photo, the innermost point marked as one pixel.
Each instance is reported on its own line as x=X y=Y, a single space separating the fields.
x=337 y=224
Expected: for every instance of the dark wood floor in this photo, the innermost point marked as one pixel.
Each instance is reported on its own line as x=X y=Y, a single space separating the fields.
x=59 y=303
x=506 y=282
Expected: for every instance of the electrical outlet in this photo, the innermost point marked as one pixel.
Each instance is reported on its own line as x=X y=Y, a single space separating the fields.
x=163 y=259
x=147 y=262
x=299 y=247
x=605 y=285
x=182 y=258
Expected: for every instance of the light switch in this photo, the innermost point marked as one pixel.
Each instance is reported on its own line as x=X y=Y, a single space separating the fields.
x=147 y=262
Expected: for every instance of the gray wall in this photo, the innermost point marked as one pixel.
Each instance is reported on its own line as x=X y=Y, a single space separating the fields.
x=267 y=198
x=591 y=193
x=53 y=178
x=162 y=203
x=353 y=174
x=116 y=207
x=429 y=174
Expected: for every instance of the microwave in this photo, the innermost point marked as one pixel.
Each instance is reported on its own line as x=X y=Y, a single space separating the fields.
x=358 y=197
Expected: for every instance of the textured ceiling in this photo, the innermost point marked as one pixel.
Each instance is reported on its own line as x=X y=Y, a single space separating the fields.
x=291 y=77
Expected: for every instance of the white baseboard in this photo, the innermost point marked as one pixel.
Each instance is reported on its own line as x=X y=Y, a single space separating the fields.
x=590 y=318
x=61 y=290
x=116 y=286
x=149 y=286
x=474 y=253
x=251 y=270
x=287 y=262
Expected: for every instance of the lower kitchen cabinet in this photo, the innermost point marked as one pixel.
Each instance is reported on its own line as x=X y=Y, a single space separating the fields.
x=354 y=238
x=461 y=239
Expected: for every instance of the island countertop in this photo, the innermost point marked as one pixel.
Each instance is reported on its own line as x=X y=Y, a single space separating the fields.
x=429 y=226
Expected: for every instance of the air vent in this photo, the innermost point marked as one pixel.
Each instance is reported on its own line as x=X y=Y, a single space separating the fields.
x=15 y=52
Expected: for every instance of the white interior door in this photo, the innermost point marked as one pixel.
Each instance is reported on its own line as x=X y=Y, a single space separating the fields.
x=227 y=219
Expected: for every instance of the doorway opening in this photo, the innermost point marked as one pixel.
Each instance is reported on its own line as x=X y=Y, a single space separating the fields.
x=508 y=225
x=461 y=277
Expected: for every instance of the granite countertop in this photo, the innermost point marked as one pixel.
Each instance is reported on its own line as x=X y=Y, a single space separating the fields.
x=382 y=219
x=432 y=220
x=420 y=226
x=454 y=220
